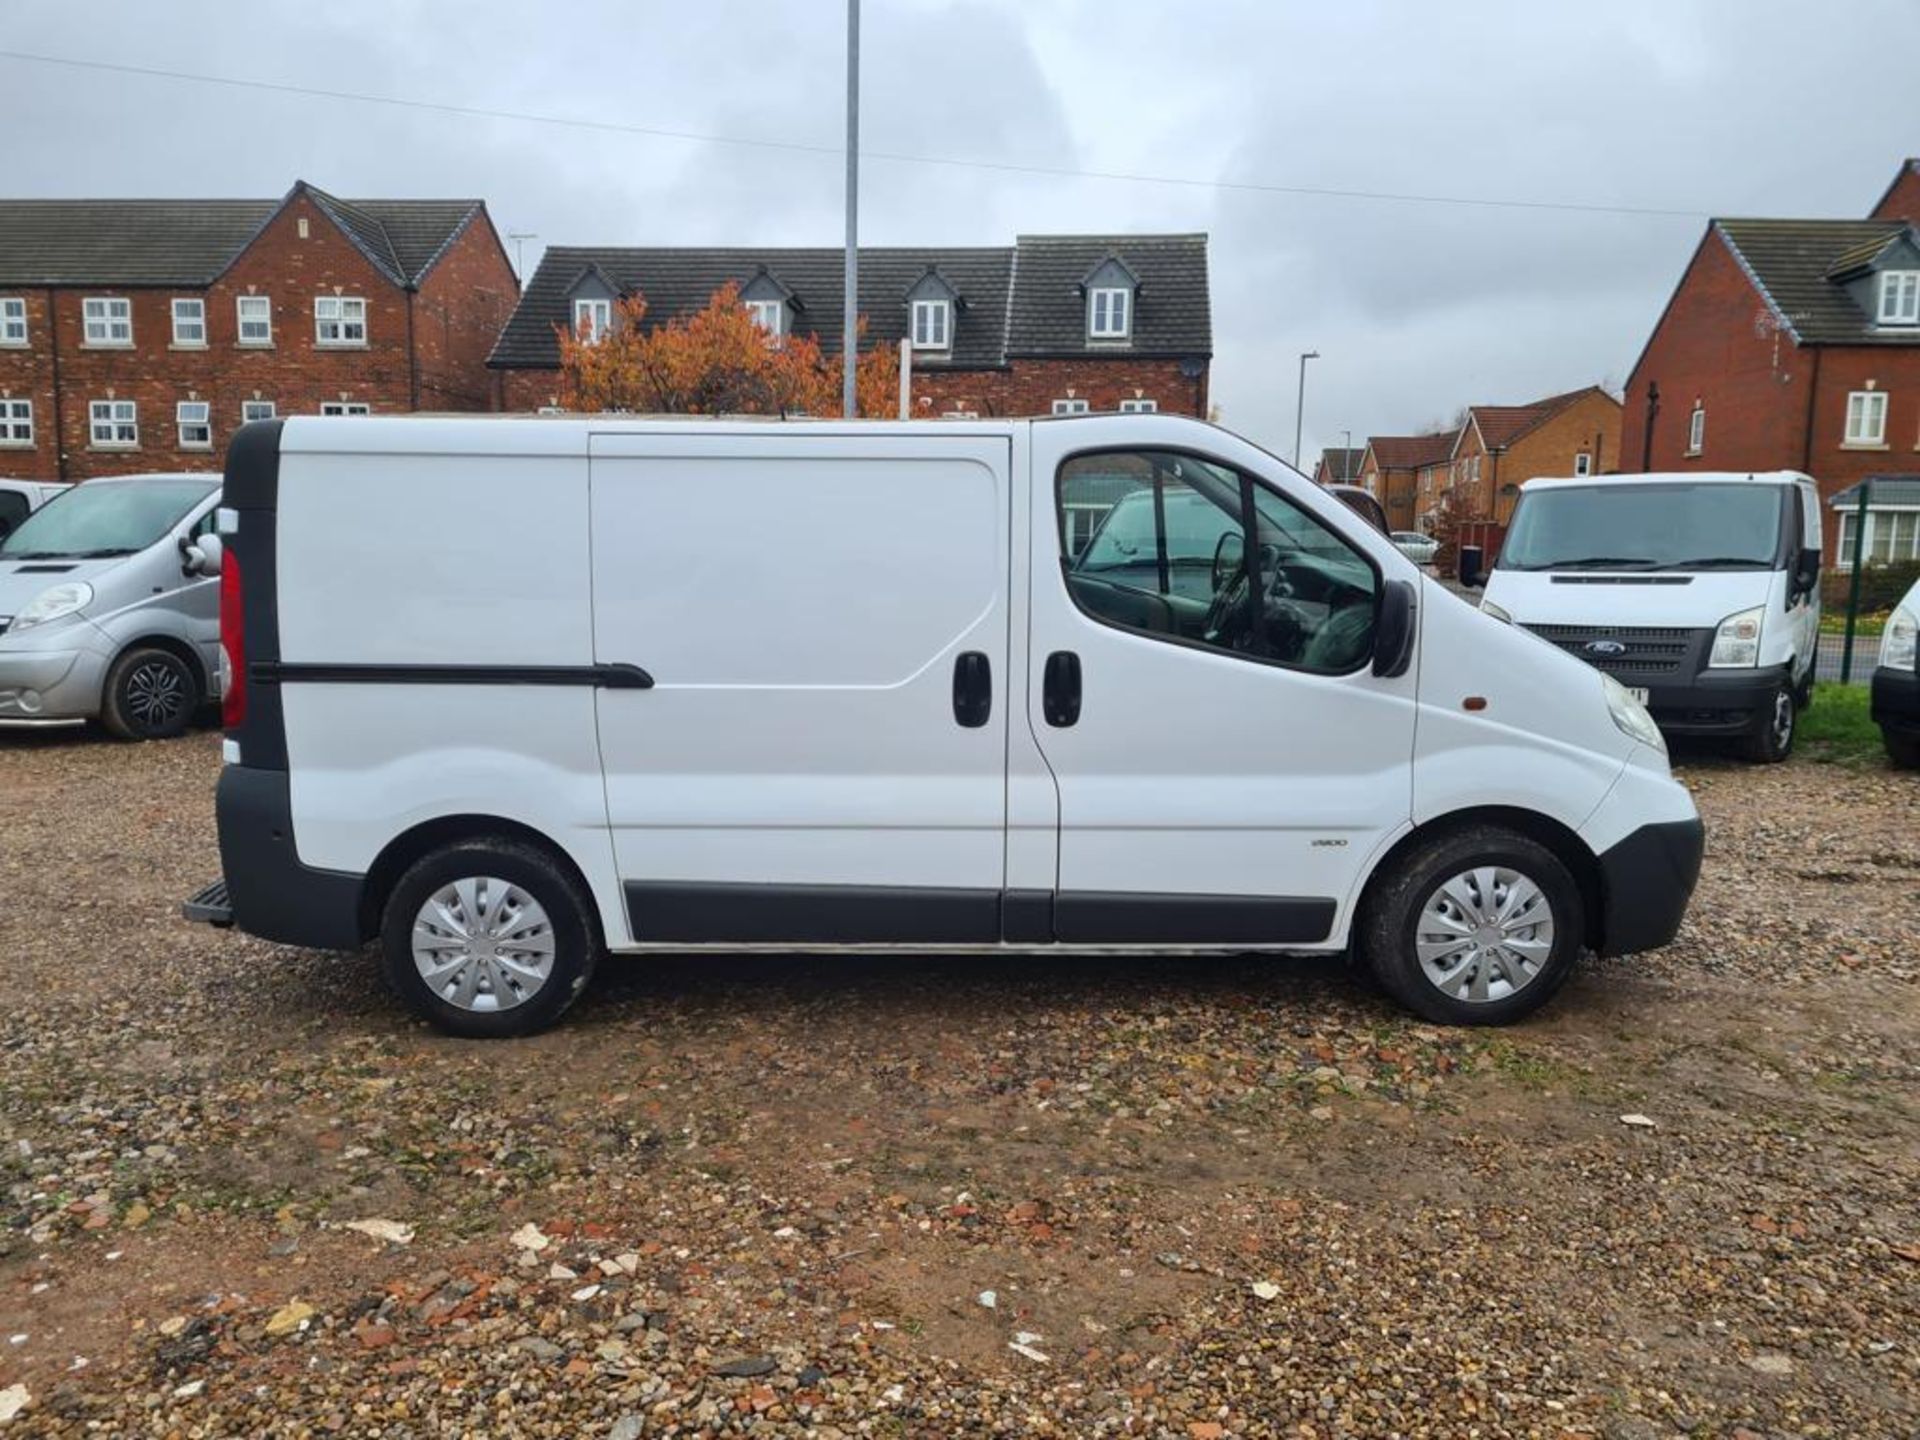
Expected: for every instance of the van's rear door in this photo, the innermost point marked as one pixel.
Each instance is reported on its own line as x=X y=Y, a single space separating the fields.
x=822 y=755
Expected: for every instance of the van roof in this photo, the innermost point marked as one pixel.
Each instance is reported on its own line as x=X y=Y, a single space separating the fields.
x=1671 y=477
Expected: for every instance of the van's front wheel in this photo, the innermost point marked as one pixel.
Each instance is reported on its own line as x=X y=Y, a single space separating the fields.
x=488 y=938
x=1480 y=927
x=1772 y=738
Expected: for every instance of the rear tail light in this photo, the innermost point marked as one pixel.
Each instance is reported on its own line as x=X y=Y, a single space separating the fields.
x=233 y=704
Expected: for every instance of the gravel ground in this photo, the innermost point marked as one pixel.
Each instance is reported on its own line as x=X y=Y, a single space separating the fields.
x=945 y=1197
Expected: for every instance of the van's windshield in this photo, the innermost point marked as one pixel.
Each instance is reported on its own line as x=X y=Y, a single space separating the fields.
x=1669 y=526
x=107 y=518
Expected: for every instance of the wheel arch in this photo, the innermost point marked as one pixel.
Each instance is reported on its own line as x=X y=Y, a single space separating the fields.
x=181 y=649
x=429 y=835
x=1565 y=845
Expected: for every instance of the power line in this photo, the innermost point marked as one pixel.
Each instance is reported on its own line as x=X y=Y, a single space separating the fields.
x=661 y=132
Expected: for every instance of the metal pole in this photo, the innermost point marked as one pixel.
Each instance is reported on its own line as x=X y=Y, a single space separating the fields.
x=850 y=322
x=1300 y=403
x=1853 y=589
x=1346 y=457
x=906 y=377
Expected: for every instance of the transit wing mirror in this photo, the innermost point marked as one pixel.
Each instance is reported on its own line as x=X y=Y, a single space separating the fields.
x=1229 y=557
x=202 y=556
x=1394 y=630
x=1806 y=571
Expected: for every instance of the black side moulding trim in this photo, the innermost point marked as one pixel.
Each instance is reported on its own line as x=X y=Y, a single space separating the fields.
x=1092 y=917
x=273 y=895
x=1646 y=880
x=604 y=677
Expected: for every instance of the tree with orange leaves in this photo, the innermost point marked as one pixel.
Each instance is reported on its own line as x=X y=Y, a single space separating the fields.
x=716 y=361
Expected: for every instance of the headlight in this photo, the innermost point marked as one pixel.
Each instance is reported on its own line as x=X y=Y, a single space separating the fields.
x=1898 y=640
x=1737 y=640
x=54 y=604
x=1630 y=715
x=1487 y=607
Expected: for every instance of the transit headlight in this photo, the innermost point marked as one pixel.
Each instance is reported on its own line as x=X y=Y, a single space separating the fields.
x=1897 y=641
x=1736 y=642
x=1487 y=607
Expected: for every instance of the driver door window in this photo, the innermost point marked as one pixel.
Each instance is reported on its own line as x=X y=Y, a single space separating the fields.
x=1169 y=557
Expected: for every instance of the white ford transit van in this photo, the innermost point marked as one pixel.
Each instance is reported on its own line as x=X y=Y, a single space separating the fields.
x=1698 y=592
x=619 y=684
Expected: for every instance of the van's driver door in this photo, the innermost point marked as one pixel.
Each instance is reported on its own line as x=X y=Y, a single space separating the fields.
x=822 y=755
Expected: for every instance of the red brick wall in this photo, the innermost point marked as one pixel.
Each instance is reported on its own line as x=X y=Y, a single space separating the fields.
x=1028 y=387
x=294 y=372
x=1902 y=202
x=1591 y=423
x=1757 y=399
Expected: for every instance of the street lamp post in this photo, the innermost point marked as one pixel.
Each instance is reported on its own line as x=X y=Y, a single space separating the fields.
x=850 y=314
x=1346 y=457
x=1300 y=403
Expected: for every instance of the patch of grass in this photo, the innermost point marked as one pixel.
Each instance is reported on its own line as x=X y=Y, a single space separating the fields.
x=1835 y=623
x=1836 y=726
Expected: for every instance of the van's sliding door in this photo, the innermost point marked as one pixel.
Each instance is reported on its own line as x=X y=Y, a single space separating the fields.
x=822 y=755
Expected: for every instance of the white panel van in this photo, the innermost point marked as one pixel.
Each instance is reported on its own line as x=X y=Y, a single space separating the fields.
x=608 y=684
x=1698 y=591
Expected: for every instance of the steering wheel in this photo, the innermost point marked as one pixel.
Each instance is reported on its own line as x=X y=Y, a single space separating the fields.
x=1229 y=601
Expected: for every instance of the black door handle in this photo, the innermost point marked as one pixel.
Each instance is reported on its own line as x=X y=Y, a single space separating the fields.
x=972 y=689
x=1060 y=690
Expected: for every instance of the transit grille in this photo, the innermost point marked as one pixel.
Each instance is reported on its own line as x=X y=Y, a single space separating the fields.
x=1632 y=654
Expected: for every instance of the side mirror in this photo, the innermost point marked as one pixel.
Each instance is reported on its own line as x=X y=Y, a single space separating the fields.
x=1471 y=575
x=1394 y=630
x=1229 y=558
x=1806 y=570
x=202 y=556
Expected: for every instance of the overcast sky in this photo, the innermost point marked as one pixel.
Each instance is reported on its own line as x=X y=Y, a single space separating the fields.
x=1737 y=107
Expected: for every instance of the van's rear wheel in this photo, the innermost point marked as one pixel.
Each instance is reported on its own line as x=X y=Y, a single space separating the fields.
x=1480 y=927
x=151 y=694
x=488 y=938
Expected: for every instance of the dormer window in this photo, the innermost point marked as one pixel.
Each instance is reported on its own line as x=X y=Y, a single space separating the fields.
x=932 y=324
x=1109 y=313
x=592 y=318
x=1900 y=297
x=769 y=315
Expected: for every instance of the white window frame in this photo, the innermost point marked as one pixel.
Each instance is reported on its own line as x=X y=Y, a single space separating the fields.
x=260 y=410
x=1866 y=427
x=1109 y=312
x=1850 y=516
x=597 y=311
x=182 y=424
x=1697 y=430
x=195 y=316
x=264 y=304
x=1073 y=406
x=16 y=422
x=1900 y=298
x=345 y=407
x=769 y=315
x=13 y=320
x=1582 y=464
x=933 y=325
x=335 y=313
x=101 y=316
x=1139 y=405
x=959 y=414
x=110 y=416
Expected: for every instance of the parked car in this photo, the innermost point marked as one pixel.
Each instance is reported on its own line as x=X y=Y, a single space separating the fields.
x=1700 y=592
x=829 y=683
x=109 y=608
x=1363 y=502
x=1418 y=548
x=20 y=498
x=1896 y=683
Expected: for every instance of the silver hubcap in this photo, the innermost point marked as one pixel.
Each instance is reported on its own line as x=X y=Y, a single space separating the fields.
x=483 y=944
x=1485 y=934
x=1782 y=720
x=156 y=695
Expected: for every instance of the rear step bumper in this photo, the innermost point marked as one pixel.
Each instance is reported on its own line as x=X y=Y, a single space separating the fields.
x=210 y=906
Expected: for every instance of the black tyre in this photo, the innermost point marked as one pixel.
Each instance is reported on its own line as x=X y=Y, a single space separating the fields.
x=1774 y=728
x=489 y=938
x=150 y=694
x=1479 y=927
x=1903 y=751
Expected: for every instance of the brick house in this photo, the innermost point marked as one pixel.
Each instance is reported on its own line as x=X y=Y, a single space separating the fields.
x=1394 y=467
x=1501 y=446
x=1340 y=465
x=1054 y=324
x=140 y=334
x=1793 y=344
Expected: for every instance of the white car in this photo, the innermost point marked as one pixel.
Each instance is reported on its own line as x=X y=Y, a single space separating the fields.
x=601 y=683
x=1896 y=683
x=1416 y=547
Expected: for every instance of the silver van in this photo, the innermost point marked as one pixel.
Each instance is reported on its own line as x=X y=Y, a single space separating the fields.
x=109 y=606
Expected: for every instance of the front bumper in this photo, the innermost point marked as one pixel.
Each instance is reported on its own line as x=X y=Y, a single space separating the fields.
x=1716 y=702
x=265 y=889
x=1896 y=700
x=1646 y=879
x=42 y=685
